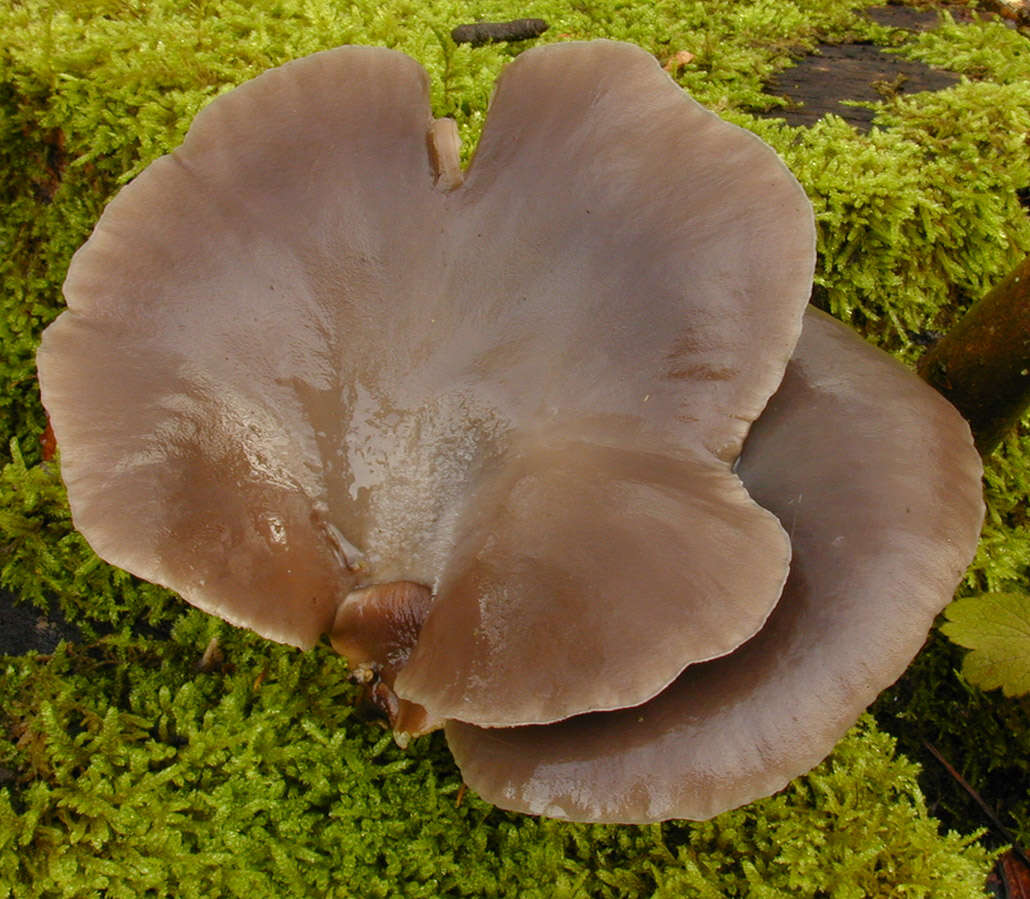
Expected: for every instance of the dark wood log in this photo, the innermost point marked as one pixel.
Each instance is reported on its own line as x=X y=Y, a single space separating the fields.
x=983 y=364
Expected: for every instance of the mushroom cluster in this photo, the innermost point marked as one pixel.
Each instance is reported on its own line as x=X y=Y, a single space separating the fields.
x=551 y=448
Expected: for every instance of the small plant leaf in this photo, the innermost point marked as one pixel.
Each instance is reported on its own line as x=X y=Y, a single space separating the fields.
x=996 y=627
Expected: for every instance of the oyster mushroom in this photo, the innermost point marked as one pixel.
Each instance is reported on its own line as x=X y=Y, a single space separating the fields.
x=481 y=427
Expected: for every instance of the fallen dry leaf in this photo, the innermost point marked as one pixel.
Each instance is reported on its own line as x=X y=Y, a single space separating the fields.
x=1014 y=875
x=677 y=61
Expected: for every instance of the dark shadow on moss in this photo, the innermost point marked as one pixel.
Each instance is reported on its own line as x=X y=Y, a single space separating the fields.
x=984 y=736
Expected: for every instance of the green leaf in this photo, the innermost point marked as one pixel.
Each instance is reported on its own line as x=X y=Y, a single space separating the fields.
x=996 y=627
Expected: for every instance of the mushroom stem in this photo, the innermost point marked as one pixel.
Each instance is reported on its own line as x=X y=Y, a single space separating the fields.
x=444 y=145
x=375 y=628
x=982 y=365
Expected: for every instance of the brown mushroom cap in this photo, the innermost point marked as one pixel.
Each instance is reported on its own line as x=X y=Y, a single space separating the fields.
x=301 y=357
x=875 y=477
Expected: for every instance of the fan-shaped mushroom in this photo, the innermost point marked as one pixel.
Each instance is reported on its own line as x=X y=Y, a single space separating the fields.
x=482 y=428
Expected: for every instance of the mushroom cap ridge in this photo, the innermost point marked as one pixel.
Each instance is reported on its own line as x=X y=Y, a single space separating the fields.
x=292 y=367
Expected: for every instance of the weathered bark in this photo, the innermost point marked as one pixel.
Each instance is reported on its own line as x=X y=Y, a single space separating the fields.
x=983 y=364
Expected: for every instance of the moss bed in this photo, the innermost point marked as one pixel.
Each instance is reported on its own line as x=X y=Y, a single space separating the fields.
x=127 y=771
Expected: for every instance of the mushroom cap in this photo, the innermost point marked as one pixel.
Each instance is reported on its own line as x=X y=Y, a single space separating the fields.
x=301 y=357
x=875 y=477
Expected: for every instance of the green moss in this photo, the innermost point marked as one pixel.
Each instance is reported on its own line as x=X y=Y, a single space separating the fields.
x=1003 y=558
x=134 y=772
x=985 y=49
x=811 y=830
x=921 y=216
x=45 y=561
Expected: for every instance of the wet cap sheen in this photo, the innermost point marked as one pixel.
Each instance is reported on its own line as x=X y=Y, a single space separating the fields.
x=312 y=373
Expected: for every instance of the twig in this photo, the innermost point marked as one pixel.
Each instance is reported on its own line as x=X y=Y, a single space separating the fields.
x=479 y=33
x=211 y=657
x=978 y=799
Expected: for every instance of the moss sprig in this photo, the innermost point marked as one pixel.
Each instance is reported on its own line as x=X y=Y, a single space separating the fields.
x=124 y=769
